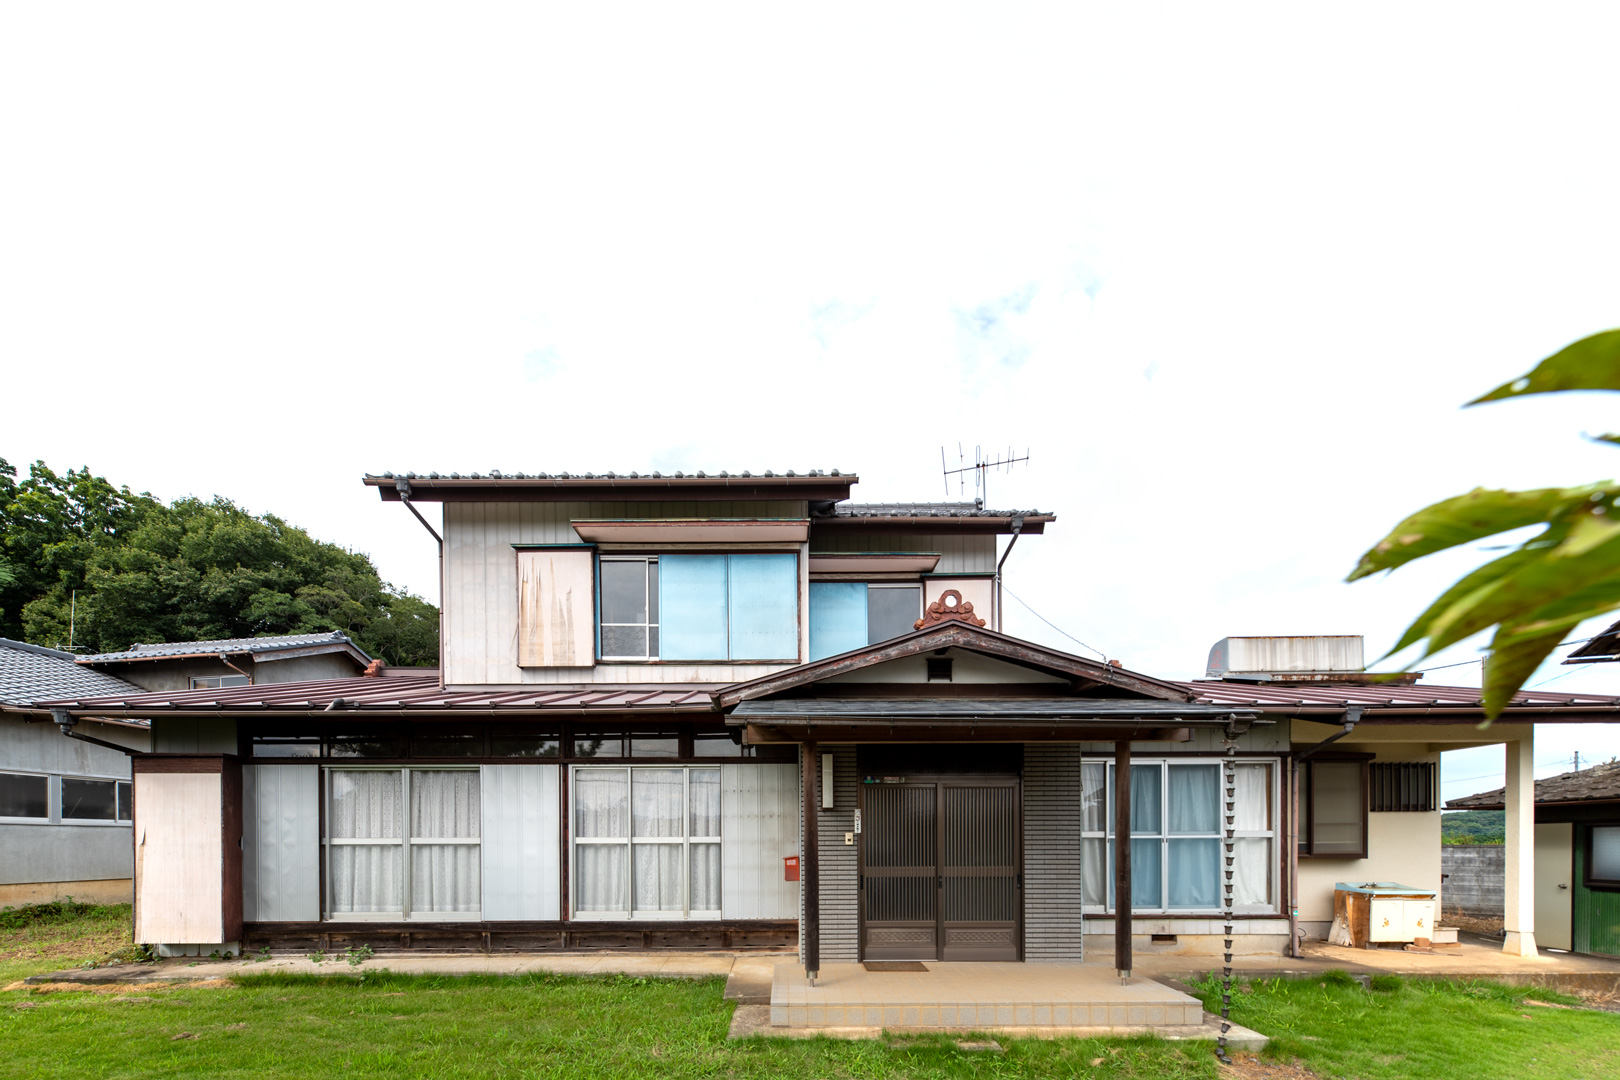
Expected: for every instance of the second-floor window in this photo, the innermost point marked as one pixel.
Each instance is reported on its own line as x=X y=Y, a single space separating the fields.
x=847 y=615
x=699 y=607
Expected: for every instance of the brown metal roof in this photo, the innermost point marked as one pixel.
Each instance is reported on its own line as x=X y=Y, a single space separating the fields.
x=1335 y=695
x=1600 y=783
x=359 y=696
x=816 y=485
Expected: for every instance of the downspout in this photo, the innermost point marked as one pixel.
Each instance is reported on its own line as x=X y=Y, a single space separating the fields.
x=225 y=659
x=65 y=720
x=1017 y=526
x=1352 y=717
x=403 y=486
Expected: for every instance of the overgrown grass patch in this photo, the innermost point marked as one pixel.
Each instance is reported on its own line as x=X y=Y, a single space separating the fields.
x=575 y=1027
x=1405 y=1028
x=37 y=938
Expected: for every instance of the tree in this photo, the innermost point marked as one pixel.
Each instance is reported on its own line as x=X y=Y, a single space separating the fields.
x=1542 y=589
x=193 y=570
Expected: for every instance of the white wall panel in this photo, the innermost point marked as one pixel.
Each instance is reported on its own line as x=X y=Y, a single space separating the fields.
x=179 y=858
x=281 y=843
x=759 y=828
x=522 y=841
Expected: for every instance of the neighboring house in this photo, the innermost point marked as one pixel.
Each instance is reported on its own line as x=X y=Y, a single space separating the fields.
x=209 y=665
x=1577 y=892
x=64 y=803
x=738 y=710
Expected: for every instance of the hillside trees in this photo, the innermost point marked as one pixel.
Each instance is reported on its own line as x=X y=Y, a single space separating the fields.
x=144 y=571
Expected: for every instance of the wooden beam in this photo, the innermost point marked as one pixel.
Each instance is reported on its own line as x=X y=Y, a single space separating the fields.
x=757 y=734
x=1122 y=858
x=811 y=871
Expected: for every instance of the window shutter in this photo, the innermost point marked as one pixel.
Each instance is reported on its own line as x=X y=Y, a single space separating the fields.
x=764 y=607
x=556 y=608
x=692 y=607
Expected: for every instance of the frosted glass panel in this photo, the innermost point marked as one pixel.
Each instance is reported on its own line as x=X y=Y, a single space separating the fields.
x=444 y=877
x=692 y=607
x=1606 y=852
x=837 y=618
x=705 y=802
x=764 y=600
x=705 y=877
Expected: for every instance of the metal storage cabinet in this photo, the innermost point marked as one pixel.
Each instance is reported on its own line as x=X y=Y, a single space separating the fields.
x=1371 y=912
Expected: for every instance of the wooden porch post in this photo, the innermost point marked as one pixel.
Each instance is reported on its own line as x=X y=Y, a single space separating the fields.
x=1122 y=858
x=811 y=870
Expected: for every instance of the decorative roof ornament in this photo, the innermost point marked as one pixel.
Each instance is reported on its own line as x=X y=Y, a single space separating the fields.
x=949 y=607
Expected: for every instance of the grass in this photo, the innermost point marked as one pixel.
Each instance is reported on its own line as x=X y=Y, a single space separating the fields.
x=64 y=933
x=586 y=1027
x=1400 y=1029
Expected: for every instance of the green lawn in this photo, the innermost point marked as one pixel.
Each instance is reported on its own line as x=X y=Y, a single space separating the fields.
x=1415 y=1028
x=586 y=1027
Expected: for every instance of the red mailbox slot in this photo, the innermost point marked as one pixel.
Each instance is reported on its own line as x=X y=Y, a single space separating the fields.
x=790 y=868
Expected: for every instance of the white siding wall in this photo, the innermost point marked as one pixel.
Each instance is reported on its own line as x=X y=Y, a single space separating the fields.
x=481 y=588
x=281 y=843
x=521 y=841
x=760 y=828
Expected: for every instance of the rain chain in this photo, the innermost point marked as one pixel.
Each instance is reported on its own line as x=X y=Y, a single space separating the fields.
x=1229 y=768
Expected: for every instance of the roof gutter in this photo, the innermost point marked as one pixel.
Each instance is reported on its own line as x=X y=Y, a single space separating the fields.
x=1017 y=526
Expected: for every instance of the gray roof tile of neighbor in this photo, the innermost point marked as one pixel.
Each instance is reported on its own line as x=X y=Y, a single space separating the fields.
x=169 y=649
x=30 y=673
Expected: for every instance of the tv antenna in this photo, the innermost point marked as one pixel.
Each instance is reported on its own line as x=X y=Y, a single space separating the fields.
x=981 y=469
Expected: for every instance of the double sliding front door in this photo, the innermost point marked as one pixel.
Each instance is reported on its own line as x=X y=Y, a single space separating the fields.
x=941 y=870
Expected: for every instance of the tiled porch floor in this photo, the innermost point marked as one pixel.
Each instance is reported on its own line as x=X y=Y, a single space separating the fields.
x=978 y=995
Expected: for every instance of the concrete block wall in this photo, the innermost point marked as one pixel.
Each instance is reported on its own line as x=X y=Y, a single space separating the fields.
x=1053 y=929
x=1475 y=875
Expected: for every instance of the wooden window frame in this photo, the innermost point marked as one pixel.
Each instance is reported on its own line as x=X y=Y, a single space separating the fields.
x=1307 y=804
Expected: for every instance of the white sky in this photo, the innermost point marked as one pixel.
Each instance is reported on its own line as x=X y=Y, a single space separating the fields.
x=1225 y=273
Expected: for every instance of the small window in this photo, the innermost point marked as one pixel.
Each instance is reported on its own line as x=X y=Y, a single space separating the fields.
x=717 y=744
x=660 y=744
x=1402 y=787
x=597 y=742
x=24 y=796
x=1333 y=798
x=89 y=800
x=286 y=746
x=629 y=608
x=373 y=743
x=849 y=615
x=126 y=804
x=215 y=682
x=1603 y=857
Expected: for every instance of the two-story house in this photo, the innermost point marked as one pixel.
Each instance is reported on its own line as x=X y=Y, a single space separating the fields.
x=740 y=710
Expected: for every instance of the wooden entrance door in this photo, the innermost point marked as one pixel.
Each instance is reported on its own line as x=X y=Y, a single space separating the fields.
x=941 y=870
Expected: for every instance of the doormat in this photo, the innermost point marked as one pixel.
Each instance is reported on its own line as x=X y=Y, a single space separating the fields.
x=894 y=965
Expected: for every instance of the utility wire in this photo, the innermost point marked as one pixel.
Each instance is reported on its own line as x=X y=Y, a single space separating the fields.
x=1052 y=624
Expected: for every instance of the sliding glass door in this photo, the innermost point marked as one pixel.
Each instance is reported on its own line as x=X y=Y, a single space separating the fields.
x=402 y=844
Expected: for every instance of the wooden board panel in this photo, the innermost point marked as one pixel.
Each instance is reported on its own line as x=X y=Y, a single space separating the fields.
x=556 y=608
x=179 y=859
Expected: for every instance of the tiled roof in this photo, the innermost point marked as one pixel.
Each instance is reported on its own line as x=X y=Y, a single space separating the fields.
x=1600 y=782
x=170 y=649
x=30 y=673
x=1283 y=695
x=407 y=694
x=498 y=474
x=925 y=509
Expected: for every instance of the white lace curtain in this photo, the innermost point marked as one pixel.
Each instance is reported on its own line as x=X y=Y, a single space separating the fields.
x=645 y=840
x=367 y=877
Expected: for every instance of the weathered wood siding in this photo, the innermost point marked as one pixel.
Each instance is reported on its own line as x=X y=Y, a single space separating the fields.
x=521 y=842
x=481 y=588
x=556 y=608
x=972 y=554
x=178 y=858
x=759 y=828
x=281 y=843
